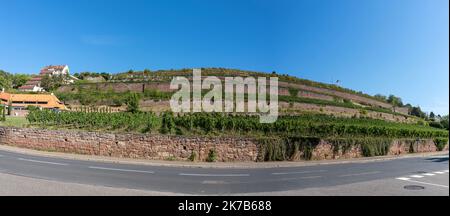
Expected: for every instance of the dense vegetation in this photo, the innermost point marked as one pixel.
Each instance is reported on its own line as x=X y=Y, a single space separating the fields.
x=93 y=97
x=10 y=81
x=281 y=140
x=210 y=123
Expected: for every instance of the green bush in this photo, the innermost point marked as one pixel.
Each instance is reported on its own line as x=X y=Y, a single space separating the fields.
x=274 y=149
x=293 y=92
x=440 y=143
x=193 y=156
x=212 y=156
x=308 y=125
x=375 y=147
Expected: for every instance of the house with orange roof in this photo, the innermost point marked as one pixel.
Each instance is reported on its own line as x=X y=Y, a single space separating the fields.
x=20 y=102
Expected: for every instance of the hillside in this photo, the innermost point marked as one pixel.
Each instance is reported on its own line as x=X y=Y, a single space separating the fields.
x=296 y=95
x=311 y=114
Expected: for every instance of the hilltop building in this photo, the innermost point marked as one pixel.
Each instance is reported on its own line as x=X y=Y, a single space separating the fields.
x=34 y=85
x=20 y=102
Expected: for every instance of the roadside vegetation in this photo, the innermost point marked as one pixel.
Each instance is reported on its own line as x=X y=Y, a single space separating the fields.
x=12 y=121
x=280 y=141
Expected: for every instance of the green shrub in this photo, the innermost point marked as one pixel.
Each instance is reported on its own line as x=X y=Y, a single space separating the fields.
x=171 y=158
x=363 y=112
x=287 y=148
x=212 y=156
x=3 y=113
x=293 y=92
x=440 y=143
x=375 y=147
x=132 y=102
x=193 y=156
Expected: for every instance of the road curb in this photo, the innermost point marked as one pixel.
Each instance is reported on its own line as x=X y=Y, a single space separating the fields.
x=243 y=165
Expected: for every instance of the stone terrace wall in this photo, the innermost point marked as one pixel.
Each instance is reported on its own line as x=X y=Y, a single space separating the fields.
x=349 y=96
x=345 y=112
x=154 y=147
x=162 y=147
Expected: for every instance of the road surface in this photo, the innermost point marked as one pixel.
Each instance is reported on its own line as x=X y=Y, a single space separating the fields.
x=421 y=175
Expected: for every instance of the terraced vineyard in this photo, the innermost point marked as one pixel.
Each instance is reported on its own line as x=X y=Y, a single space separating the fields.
x=217 y=124
x=155 y=86
x=279 y=141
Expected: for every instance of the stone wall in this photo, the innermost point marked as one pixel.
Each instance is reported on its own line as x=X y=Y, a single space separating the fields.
x=153 y=147
x=343 y=112
x=164 y=147
x=345 y=95
x=312 y=95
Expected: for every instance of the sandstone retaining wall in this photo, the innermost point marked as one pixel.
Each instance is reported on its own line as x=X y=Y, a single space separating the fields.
x=164 y=147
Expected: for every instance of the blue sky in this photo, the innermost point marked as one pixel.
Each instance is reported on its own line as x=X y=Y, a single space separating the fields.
x=396 y=47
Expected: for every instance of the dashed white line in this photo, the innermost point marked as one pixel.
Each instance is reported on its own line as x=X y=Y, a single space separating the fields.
x=416 y=176
x=446 y=171
x=300 y=178
x=43 y=162
x=300 y=172
x=121 y=170
x=429 y=174
x=360 y=174
x=214 y=175
x=403 y=178
x=439 y=172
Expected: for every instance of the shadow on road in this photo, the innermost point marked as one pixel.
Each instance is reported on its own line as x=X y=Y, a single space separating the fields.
x=438 y=159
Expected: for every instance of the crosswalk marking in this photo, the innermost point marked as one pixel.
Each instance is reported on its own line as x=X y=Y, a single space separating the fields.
x=423 y=175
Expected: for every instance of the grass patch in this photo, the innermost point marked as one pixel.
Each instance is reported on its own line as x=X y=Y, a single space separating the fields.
x=13 y=121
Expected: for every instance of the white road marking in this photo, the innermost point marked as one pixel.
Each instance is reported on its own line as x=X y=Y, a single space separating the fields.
x=360 y=174
x=300 y=178
x=121 y=170
x=439 y=172
x=300 y=172
x=214 y=175
x=214 y=182
x=429 y=174
x=426 y=183
x=446 y=171
x=43 y=162
x=416 y=176
x=403 y=178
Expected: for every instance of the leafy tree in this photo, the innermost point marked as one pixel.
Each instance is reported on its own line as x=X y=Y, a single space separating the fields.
x=19 y=80
x=417 y=111
x=5 y=80
x=432 y=115
x=51 y=83
x=445 y=122
x=395 y=101
x=381 y=97
x=106 y=76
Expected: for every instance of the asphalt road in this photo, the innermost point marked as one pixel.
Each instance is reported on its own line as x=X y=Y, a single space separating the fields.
x=428 y=172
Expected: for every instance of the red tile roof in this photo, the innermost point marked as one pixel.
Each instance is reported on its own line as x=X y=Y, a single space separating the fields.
x=51 y=68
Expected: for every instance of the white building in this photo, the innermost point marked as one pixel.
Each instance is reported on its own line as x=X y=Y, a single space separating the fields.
x=34 y=85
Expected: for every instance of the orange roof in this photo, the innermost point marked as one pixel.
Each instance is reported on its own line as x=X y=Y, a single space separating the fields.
x=51 y=100
x=4 y=96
